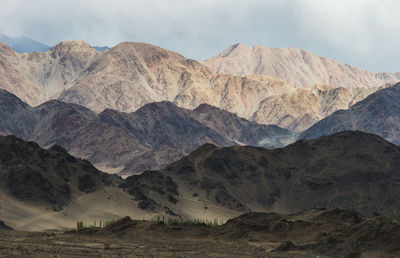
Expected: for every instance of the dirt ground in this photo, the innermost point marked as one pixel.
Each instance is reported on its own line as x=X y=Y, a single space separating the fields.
x=315 y=233
x=34 y=244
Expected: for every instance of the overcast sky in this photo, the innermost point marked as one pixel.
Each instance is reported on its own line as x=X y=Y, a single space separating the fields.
x=363 y=33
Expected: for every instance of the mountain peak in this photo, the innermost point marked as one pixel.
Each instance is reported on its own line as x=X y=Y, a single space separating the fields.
x=204 y=108
x=239 y=45
x=239 y=48
x=149 y=52
x=71 y=46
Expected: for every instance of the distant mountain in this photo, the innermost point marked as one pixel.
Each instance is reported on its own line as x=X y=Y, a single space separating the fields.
x=351 y=169
x=297 y=67
x=150 y=138
x=24 y=44
x=100 y=49
x=379 y=113
x=131 y=75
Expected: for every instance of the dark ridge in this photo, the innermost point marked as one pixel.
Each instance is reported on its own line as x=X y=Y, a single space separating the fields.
x=31 y=173
x=4 y=226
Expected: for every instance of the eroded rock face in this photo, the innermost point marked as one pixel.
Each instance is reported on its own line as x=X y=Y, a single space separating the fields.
x=297 y=67
x=40 y=76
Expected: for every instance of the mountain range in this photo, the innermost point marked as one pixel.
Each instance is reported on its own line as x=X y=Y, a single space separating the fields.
x=297 y=67
x=160 y=133
x=176 y=128
x=130 y=75
x=47 y=188
x=149 y=138
x=350 y=169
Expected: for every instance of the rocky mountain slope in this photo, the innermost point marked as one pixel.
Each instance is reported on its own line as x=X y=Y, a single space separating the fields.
x=49 y=188
x=379 y=113
x=351 y=169
x=297 y=67
x=40 y=76
x=30 y=173
x=42 y=189
x=130 y=75
x=150 y=138
x=302 y=108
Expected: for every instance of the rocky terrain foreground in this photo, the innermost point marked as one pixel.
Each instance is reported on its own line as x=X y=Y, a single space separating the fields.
x=315 y=233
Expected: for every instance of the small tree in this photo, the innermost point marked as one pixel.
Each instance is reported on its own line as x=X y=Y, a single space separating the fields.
x=79 y=225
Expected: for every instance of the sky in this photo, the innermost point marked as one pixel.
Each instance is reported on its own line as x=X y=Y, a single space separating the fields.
x=362 y=33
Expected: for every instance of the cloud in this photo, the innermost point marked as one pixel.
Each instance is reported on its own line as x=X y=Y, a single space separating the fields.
x=358 y=32
x=364 y=29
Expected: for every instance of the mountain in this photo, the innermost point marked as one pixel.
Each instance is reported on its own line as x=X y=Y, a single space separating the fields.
x=297 y=67
x=351 y=169
x=149 y=138
x=302 y=108
x=379 y=113
x=40 y=76
x=24 y=44
x=100 y=48
x=131 y=75
x=30 y=173
x=240 y=130
x=42 y=189
x=15 y=116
